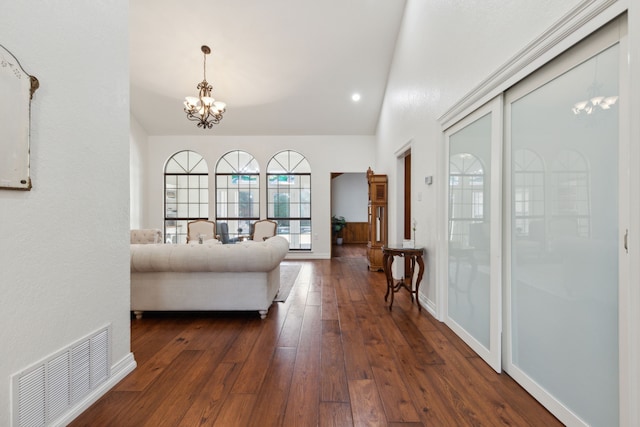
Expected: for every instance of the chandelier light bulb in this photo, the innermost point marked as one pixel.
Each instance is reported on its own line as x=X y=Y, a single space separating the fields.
x=591 y=105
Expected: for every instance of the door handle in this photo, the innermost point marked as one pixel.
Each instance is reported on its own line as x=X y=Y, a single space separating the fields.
x=626 y=238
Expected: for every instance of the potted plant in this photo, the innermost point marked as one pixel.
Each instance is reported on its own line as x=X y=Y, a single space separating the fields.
x=338 y=223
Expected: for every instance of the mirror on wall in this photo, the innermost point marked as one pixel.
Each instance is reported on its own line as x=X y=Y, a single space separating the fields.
x=17 y=88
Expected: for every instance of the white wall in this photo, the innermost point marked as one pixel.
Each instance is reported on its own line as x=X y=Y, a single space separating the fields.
x=325 y=154
x=443 y=51
x=349 y=196
x=137 y=173
x=64 y=249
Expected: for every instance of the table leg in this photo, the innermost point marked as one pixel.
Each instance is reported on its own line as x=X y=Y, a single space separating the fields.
x=389 y=272
x=411 y=270
x=419 y=279
x=386 y=266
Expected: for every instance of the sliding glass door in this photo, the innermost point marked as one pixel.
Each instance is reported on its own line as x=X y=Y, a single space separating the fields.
x=474 y=250
x=562 y=138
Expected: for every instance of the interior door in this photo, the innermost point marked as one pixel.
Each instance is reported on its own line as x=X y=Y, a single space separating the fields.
x=473 y=297
x=407 y=208
x=563 y=205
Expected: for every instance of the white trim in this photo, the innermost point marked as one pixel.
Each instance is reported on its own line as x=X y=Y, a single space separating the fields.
x=629 y=296
x=118 y=371
x=630 y=410
x=404 y=149
x=564 y=414
x=427 y=304
x=496 y=247
x=442 y=217
x=624 y=265
x=582 y=20
x=397 y=228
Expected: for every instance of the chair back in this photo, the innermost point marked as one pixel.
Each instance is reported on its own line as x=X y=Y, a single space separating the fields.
x=263 y=229
x=200 y=227
x=223 y=231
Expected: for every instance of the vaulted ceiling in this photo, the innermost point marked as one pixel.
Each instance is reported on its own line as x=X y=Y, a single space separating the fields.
x=283 y=67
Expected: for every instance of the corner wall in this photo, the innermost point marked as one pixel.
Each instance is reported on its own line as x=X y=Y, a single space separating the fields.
x=64 y=245
x=137 y=172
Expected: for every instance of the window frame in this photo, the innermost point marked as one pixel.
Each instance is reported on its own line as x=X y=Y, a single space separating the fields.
x=190 y=190
x=276 y=169
x=239 y=226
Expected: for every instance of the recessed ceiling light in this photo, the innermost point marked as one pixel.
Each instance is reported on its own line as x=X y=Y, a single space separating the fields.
x=355 y=97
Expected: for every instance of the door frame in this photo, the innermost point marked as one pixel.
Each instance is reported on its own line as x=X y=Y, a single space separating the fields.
x=396 y=231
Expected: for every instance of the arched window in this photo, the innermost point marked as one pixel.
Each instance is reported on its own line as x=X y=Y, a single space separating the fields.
x=289 y=197
x=237 y=195
x=186 y=194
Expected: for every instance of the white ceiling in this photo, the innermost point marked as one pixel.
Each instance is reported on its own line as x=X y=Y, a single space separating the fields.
x=283 y=67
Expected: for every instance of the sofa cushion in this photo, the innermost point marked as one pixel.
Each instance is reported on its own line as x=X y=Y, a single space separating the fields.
x=251 y=256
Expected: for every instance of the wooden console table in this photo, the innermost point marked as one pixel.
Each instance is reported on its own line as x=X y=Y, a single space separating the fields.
x=415 y=255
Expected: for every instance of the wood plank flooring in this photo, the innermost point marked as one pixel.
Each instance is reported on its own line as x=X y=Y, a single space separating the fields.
x=331 y=355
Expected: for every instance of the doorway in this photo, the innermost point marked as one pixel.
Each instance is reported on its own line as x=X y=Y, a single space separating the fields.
x=407 y=208
x=349 y=200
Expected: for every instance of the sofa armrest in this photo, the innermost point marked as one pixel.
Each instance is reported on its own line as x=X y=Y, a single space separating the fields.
x=146 y=236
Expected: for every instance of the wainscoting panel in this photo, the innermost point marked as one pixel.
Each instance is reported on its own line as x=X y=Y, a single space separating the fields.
x=355 y=232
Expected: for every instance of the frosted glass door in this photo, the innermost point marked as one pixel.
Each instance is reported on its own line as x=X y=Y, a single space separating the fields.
x=473 y=294
x=564 y=239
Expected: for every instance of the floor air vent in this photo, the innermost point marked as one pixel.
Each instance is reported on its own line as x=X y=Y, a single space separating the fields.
x=47 y=390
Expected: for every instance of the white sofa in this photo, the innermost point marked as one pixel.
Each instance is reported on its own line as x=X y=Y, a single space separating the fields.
x=208 y=276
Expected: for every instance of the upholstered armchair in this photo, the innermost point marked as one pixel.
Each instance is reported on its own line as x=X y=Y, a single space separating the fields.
x=201 y=228
x=263 y=229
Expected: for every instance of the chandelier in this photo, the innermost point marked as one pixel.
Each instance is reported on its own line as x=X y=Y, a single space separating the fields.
x=204 y=109
x=591 y=105
x=595 y=100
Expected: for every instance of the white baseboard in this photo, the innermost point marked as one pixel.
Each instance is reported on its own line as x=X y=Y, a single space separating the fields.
x=428 y=304
x=118 y=371
x=307 y=255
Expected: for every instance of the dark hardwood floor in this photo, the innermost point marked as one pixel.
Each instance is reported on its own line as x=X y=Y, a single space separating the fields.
x=331 y=355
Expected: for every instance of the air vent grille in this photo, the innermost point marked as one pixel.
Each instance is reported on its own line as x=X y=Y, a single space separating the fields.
x=99 y=358
x=58 y=385
x=31 y=390
x=48 y=389
x=80 y=381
